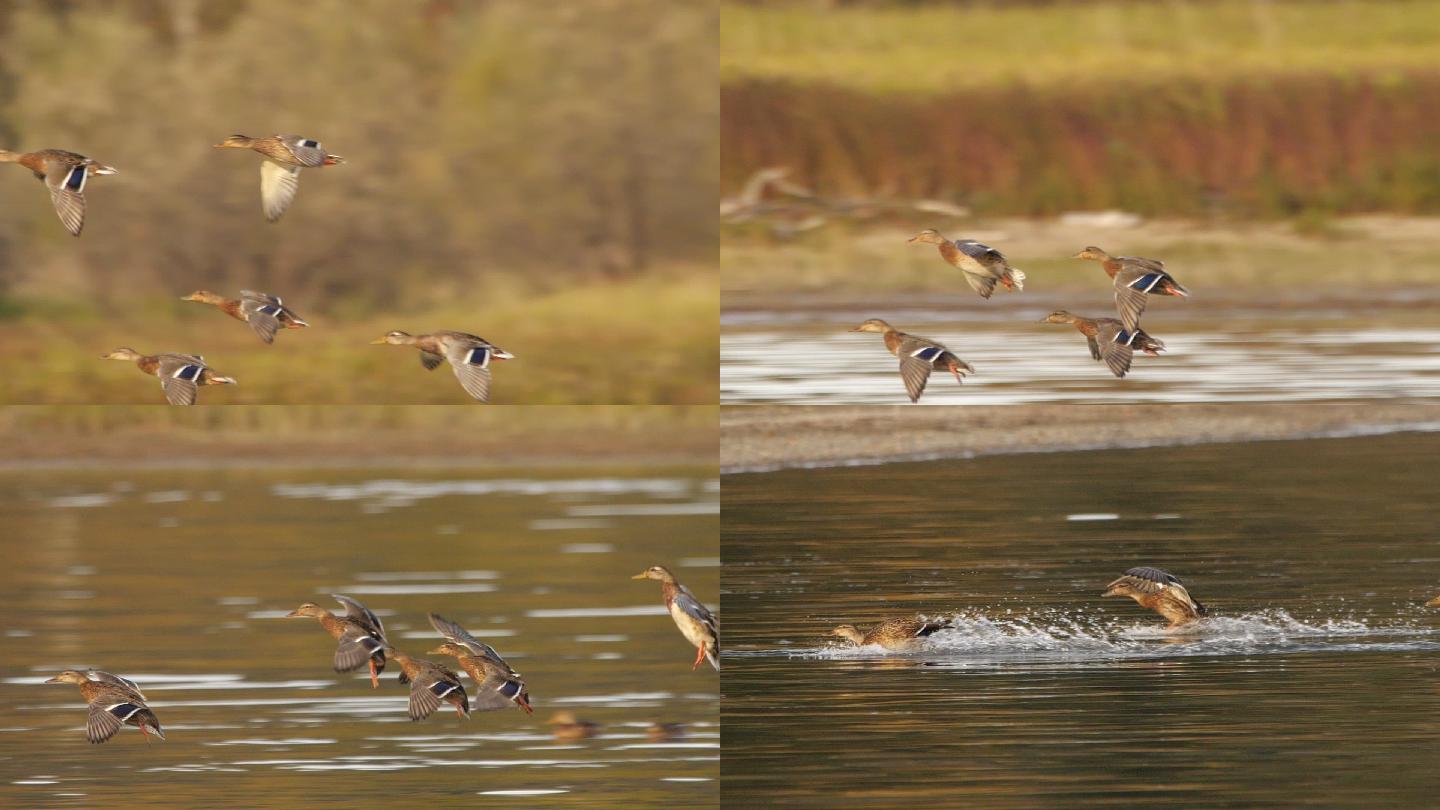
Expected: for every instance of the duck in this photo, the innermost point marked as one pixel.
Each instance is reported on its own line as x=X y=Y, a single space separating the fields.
x=983 y=265
x=1135 y=279
x=469 y=356
x=360 y=635
x=180 y=374
x=1110 y=340
x=1433 y=602
x=696 y=622
x=265 y=313
x=498 y=686
x=114 y=701
x=918 y=356
x=285 y=156
x=64 y=174
x=892 y=634
x=568 y=728
x=1160 y=591
x=430 y=685
x=665 y=732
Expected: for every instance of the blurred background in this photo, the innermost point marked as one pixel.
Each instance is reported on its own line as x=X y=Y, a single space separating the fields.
x=168 y=544
x=1281 y=156
x=542 y=177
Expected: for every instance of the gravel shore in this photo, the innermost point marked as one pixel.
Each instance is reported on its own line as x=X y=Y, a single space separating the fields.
x=756 y=438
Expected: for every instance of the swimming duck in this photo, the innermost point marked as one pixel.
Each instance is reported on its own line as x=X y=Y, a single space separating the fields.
x=265 y=313
x=568 y=728
x=892 y=634
x=665 y=732
x=498 y=686
x=285 y=156
x=1109 y=340
x=360 y=633
x=114 y=702
x=1433 y=602
x=1135 y=279
x=179 y=374
x=64 y=174
x=1159 y=591
x=983 y=265
x=469 y=356
x=918 y=356
x=430 y=684
x=696 y=622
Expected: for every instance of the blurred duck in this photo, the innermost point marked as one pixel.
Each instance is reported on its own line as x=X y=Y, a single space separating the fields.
x=469 y=356
x=568 y=728
x=1433 y=602
x=1109 y=340
x=696 y=622
x=665 y=732
x=360 y=633
x=918 y=356
x=497 y=685
x=285 y=156
x=180 y=374
x=430 y=685
x=266 y=314
x=1159 y=591
x=1135 y=279
x=983 y=265
x=892 y=634
x=64 y=174
x=114 y=702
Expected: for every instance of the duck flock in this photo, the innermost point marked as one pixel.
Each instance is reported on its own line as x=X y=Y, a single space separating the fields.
x=115 y=701
x=1112 y=340
x=65 y=175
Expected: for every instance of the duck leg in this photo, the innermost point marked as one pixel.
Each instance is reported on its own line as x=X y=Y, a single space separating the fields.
x=954 y=369
x=699 y=656
x=374 y=676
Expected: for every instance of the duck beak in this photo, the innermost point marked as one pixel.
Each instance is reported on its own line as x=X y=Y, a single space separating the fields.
x=1079 y=255
x=641 y=575
x=294 y=614
x=377 y=341
x=55 y=679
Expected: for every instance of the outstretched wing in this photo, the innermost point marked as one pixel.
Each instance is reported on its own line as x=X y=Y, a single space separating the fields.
x=356 y=646
x=360 y=613
x=500 y=689
x=471 y=363
x=179 y=375
x=1114 y=347
x=429 y=690
x=307 y=151
x=66 y=183
x=278 y=184
x=262 y=312
x=454 y=632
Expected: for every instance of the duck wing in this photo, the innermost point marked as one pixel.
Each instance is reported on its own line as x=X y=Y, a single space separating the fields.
x=66 y=182
x=179 y=375
x=262 y=312
x=917 y=359
x=1114 y=346
x=469 y=357
x=361 y=615
x=278 y=184
x=459 y=635
x=431 y=687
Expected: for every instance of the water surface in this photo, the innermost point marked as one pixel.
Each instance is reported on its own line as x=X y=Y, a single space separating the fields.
x=1313 y=683
x=180 y=580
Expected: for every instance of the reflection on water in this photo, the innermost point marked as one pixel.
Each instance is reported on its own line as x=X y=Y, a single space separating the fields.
x=1287 y=355
x=182 y=581
x=1314 y=558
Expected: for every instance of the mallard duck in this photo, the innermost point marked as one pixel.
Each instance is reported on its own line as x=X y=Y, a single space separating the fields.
x=983 y=265
x=918 y=356
x=665 y=732
x=430 y=684
x=285 y=156
x=892 y=634
x=497 y=685
x=1135 y=279
x=1109 y=340
x=1159 y=591
x=1433 y=602
x=696 y=622
x=64 y=174
x=360 y=633
x=469 y=356
x=265 y=313
x=180 y=374
x=568 y=728
x=114 y=702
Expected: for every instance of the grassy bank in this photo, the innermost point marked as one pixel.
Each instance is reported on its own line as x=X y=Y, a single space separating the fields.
x=1362 y=258
x=645 y=340
x=1226 y=108
x=330 y=435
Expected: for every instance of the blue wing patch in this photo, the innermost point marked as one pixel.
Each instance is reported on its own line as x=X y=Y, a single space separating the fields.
x=928 y=353
x=187 y=373
x=1147 y=282
x=269 y=309
x=1125 y=338
x=510 y=689
x=76 y=180
x=478 y=357
x=440 y=688
x=124 y=711
x=309 y=143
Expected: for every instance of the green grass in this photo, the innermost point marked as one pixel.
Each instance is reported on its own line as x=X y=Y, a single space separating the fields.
x=647 y=340
x=937 y=48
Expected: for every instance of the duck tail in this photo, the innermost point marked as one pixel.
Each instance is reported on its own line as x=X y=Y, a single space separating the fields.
x=223 y=381
x=712 y=658
x=1170 y=286
x=331 y=160
x=1016 y=279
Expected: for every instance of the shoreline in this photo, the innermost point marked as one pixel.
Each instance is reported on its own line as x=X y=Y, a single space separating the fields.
x=766 y=438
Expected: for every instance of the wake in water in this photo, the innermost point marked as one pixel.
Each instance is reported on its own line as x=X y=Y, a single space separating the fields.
x=977 y=638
